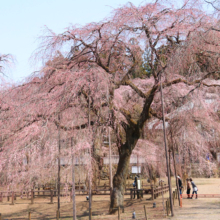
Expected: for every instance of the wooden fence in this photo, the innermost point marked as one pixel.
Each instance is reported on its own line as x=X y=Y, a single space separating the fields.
x=154 y=191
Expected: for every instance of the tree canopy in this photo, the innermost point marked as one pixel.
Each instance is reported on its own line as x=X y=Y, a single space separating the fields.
x=108 y=74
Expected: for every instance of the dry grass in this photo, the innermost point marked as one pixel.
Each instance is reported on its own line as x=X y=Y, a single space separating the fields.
x=41 y=209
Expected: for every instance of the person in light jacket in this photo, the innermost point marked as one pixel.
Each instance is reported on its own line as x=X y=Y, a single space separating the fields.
x=195 y=189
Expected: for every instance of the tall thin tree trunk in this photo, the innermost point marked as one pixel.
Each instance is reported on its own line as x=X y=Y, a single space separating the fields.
x=177 y=185
x=90 y=171
x=58 y=178
x=174 y=163
x=110 y=160
x=165 y=143
x=170 y=161
x=110 y=149
x=73 y=181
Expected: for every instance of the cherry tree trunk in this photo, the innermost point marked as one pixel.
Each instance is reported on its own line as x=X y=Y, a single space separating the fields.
x=119 y=181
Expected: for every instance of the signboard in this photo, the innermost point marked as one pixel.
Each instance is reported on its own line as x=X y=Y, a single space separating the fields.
x=218 y=157
x=138 y=184
x=136 y=169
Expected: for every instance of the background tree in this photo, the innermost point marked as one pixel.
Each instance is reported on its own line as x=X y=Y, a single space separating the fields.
x=109 y=47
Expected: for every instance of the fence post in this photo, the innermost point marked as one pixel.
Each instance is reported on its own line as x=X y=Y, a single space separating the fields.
x=29 y=215
x=145 y=212
x=0 y=216
x=1 y=197
x=119 y=217
x=173 y=196
x=12 y=198
x=90 y=213
x=58 y=215
x=51 y=196
x=32 y=196
x=8 y=196
x=167 y=207
x=152 y=192
x=71 y=198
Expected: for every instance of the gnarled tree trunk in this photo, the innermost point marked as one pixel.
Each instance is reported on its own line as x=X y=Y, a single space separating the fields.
x=119 y=181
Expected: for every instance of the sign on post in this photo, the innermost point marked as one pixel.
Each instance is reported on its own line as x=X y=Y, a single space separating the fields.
x=136 y=169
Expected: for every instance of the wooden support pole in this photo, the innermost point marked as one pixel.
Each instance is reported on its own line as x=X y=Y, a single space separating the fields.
x=110 y=161
x=167 y=207
x=1 y=197
x=72 y=192
x=90 y=212
x=162 y=196
x=156 y=194
x=58 y=214
x=145 y=213
x=71 y=198
x=0 y=216
x=119 y=217
x=51 y=196
x=8 y=196
x=32 y=196
x=12 y=198
x=29 y=215
x=152 y=192
x=166 y=149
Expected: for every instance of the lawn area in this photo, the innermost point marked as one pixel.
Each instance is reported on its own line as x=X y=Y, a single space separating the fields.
x=192 y=209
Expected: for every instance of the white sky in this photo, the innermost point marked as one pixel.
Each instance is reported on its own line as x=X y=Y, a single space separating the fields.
x=22 y=22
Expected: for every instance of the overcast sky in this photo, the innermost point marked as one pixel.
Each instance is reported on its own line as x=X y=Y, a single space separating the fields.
x=22 y=22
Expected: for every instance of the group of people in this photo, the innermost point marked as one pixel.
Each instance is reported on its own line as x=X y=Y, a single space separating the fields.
x=194 y=187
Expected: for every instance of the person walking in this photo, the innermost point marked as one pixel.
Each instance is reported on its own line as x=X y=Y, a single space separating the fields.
x=180 y=185
x=195 y=189
x=188 y=188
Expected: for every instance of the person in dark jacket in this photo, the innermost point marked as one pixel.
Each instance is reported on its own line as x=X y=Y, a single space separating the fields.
x=188 y=188
x=180 y=185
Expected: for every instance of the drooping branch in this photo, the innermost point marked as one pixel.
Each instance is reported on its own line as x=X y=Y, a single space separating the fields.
x=77 y=127
x=135 y=88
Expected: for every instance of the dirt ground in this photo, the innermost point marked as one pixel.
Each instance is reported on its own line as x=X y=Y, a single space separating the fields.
x=201 y=208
